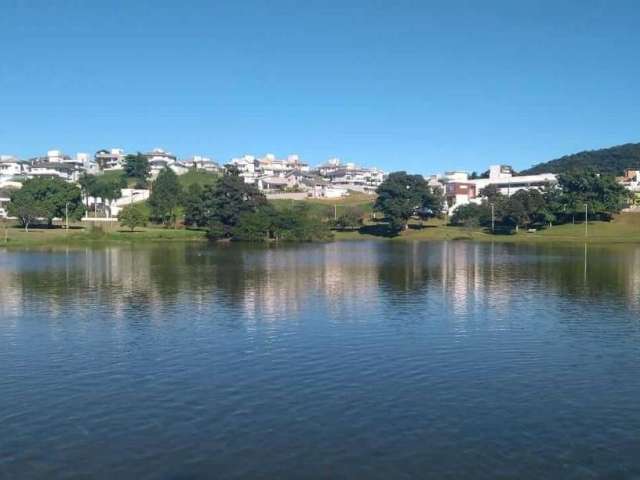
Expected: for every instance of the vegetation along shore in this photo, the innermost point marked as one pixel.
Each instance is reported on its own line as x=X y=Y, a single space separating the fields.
x=581 y=205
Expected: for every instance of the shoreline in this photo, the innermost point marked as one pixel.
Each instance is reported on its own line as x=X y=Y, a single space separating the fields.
x=624 y=230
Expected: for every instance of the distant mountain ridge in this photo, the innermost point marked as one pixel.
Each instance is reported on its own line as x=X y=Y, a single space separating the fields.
x=608 y=161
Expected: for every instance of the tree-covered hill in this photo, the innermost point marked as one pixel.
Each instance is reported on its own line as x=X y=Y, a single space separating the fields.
x=609 y=161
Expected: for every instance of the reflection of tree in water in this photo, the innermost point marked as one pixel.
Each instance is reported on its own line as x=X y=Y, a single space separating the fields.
x=493 y=275
x=405 y=268
x=268 y=281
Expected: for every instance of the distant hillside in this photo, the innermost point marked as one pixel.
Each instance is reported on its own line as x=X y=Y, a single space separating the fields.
x=608 y=161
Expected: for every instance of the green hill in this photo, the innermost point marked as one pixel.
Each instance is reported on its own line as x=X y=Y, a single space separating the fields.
x=608 y=161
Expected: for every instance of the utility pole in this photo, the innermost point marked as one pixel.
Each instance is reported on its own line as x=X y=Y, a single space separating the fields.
x=493 y=219
x=66 y=215
x=335 y=211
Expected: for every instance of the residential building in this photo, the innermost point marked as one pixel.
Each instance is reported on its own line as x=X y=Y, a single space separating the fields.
x=62 y=170
x=159 y=159
x=11 y=167
x=5 y=197
x=502 y=177
x=112 y=159
x=459 y=189
x=352 y=177
x=55 y=156
x=202 y=163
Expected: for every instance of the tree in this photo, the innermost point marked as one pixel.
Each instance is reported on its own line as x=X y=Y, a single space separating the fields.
x=133 y=216
x=25 y=207
x=296 y=223
x=165 y=196
x=137 y=166
x=87 y=186
x=607 y=161
x=402 y=196
x=512 y=212
x=109 y=188
x=351 y=218
x=227 y=199
x=471 y=214
x=491 y=193
x=603 y=195
x=192 y=202
x=553 y=199
x=48 y=198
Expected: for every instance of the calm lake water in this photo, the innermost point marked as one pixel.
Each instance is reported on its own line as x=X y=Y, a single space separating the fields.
x=341 y=360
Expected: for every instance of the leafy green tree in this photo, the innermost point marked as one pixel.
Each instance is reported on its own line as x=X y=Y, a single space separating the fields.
x=227 y=199
x=471 y=214
x=48 y=198
x=165 y=197
x=402 y=196
x=512 y=212
x=193 y=204
x=602 y=194
x=351 y=218
x=133 y=216
x=525 y=208
x=491 y=193
x=87 y=186
x=607 y=161
x=554 y=202
x=256 y=226
x=25 y=208
x=137 y=166
x=109 y=188
x=297 y=223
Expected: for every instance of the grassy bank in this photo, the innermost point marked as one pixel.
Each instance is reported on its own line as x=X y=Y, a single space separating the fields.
x=625 y=228
x=82 y=234
x=332 y=206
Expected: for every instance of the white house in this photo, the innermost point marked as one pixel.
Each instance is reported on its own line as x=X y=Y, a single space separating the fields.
x=202 y=163
x=159 y=159
x=112 y=159
x=246 y=167
x=5 y=197
x=55 y=156
x=502 y=177
x=461 y=190
x=62 y=170
x=10 y=167
x=366 y=180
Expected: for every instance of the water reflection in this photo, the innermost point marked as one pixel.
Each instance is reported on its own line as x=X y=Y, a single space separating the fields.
x=269 y=283
x=372 y=360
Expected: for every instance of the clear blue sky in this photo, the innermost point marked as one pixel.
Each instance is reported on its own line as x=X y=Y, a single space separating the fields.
x=422 y=86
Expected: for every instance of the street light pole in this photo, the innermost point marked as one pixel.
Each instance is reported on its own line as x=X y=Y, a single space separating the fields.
x=66 y=215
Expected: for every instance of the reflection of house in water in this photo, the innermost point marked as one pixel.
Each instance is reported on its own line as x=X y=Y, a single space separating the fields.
x=453 y=282
x=286 y=280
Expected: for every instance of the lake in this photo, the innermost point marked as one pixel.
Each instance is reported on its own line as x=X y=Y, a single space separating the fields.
x=341 y=360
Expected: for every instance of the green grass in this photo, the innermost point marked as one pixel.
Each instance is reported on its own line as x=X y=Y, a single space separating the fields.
x=625 y=228
x=329 y=207
x=197 y=176
x=86 y=234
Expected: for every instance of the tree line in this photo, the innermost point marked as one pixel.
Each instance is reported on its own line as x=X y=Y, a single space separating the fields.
x=228 y=209
x=606 y=161
x=575 y=195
